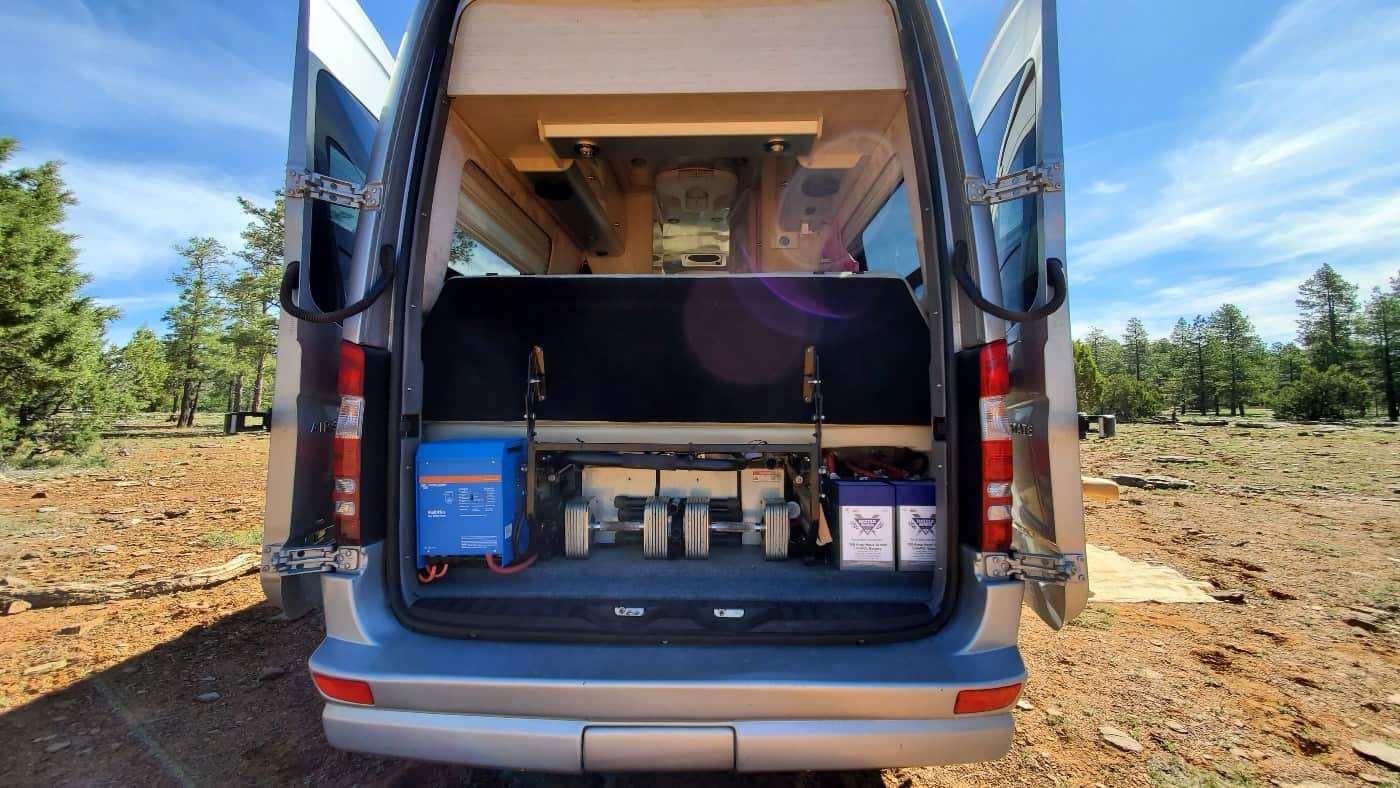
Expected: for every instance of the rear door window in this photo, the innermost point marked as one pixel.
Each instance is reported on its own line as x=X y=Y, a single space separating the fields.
x=343 y=137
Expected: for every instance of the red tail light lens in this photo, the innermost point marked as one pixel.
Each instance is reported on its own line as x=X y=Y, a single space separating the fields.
x=994 y=382
x=346 y=690
x=345 y=463
x=978 y=700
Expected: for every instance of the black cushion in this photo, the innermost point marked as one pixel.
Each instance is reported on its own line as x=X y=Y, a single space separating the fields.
x=677 y=348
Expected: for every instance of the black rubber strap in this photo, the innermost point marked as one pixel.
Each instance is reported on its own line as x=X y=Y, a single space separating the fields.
x=291 y=275
x=1054 y=279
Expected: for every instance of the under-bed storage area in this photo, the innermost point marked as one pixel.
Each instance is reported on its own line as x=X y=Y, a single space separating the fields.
x=677 y=449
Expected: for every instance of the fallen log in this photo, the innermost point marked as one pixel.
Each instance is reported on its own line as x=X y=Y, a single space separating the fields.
x=64 y=594
x=1151 y=482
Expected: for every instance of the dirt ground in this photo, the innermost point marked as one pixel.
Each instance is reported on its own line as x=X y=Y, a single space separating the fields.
x=209 y=687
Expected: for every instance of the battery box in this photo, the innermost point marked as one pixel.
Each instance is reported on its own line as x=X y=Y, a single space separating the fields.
x=470 y=499
x=865 y=524
x=916 y=512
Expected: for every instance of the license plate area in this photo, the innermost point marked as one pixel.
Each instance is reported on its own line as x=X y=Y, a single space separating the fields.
x=648 y=748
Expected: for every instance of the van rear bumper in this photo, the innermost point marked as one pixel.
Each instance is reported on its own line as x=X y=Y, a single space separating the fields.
x=564 y=745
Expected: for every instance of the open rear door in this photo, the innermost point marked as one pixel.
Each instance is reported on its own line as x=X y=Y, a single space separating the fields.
x=339 y=86
x=1016 y=112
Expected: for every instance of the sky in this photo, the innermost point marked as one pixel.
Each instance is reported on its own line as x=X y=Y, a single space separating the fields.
x=1215 y=151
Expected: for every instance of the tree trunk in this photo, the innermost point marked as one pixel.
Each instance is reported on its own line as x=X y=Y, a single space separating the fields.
x=185 y=398
x=194 y=403
x=257 y=399
x=1392 y=407
x=235 y=394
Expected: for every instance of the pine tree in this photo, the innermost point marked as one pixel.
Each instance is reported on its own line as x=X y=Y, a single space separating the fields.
x=195 y=322
x=1163 y=375
x=251 y=295
x=1327 y=323
x=462 y=251
x=1137 y=348
x=1240 y=351
x=1381 y=325
x=52 y=387
x=1088 y=383
x=1108 y=355
x=140 y=372
x=1198 y=354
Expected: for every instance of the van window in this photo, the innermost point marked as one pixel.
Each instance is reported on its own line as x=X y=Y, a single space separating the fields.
x=344 y=134
x=492 y=234
x=471 y=257
x=888 y=245
x=1007 y=142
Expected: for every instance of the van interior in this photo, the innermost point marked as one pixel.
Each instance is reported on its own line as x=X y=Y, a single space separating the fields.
x=674 y=330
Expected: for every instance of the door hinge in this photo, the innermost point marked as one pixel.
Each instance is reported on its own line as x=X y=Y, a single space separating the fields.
x=316 y=186
x=1047 y=177
x=1066 y=568
x=324 y=557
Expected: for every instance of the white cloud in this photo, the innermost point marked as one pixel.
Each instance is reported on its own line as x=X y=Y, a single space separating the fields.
x=139 y=66
x=1293 y=163
x=130 y=215
x=1106 y=187
x=139 y=301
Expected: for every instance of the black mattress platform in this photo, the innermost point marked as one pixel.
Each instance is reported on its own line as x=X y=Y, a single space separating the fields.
x=677 y=348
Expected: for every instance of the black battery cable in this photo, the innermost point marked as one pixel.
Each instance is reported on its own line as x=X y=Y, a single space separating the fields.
x=290 y=282
x=1054 y=276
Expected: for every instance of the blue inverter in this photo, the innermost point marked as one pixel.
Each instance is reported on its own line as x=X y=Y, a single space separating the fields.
x=916 y=512
x=470 y=498
x=865 y=523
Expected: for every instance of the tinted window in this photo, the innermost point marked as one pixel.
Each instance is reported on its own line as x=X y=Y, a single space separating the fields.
x=888 y=244
x=471 y=257
x=344 y=134
x=1007 y=143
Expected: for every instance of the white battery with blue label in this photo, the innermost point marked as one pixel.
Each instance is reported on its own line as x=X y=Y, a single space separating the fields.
x=916 y=511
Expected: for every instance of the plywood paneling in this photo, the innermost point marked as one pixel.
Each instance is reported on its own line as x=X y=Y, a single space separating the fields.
x=520 y=47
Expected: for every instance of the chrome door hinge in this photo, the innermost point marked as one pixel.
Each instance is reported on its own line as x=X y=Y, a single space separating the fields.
x=1066 y=568
x=316 y=186
x=1047 y=177
x=279 y=560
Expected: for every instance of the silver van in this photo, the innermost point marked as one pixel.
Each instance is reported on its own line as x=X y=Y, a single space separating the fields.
x=674 y=384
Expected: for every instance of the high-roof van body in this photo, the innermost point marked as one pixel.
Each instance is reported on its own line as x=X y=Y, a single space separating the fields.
x=674 y=384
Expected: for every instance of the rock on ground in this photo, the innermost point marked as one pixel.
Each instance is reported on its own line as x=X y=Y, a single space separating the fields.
x=1120 y=739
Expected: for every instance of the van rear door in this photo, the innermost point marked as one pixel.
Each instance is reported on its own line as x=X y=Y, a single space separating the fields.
x=1016 y=112
x=339 y=86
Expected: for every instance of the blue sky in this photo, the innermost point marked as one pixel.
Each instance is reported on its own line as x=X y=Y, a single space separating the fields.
x=1217 y=151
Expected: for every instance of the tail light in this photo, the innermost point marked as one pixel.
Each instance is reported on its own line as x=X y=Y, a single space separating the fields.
x=347 y=690
x=980 y=700
x=345 y=465
x=994 y=384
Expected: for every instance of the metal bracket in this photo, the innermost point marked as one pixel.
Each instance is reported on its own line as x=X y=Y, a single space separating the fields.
x=279 y=560
x=1067 y=568
x=315 y=186
x=1047 y=177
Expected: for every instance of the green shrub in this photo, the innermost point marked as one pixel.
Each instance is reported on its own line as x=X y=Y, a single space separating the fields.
x=1129 y=398
x=1334 y=394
